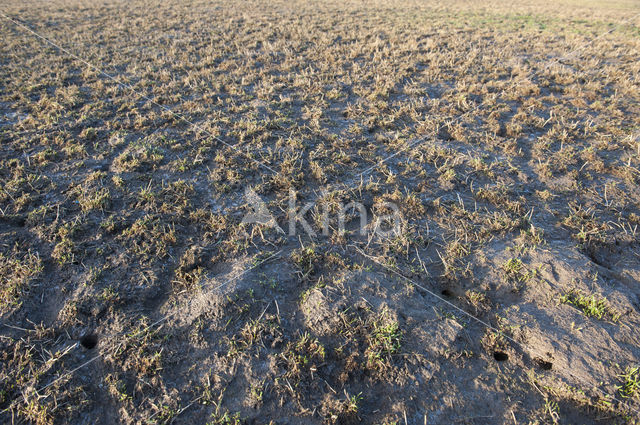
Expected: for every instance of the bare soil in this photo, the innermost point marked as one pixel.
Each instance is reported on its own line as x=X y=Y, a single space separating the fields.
x=132 y=292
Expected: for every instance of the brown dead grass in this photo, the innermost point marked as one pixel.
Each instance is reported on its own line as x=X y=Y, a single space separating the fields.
x=517 y=179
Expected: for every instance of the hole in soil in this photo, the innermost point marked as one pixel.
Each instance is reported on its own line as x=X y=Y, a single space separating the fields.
x=89 y=341
x=500 y=356
x=447 y=293
x=543 y=364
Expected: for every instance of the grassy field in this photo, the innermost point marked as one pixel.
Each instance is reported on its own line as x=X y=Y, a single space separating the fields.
x=497 y=144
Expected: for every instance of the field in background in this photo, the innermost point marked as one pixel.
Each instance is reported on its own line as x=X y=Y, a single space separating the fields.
x=507 y=133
